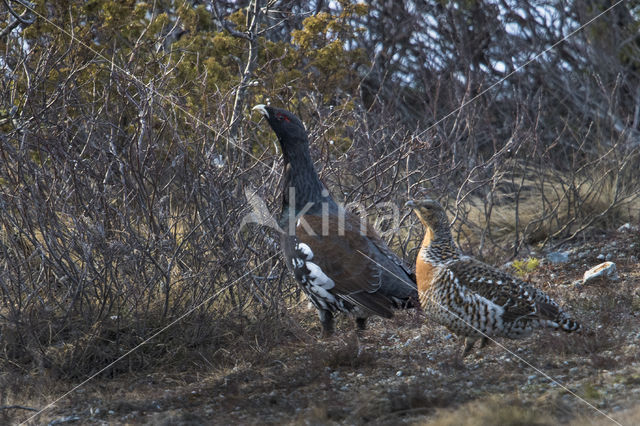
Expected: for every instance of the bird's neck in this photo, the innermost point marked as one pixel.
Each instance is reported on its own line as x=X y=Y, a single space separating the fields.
x=438 y=244
x=303 y=190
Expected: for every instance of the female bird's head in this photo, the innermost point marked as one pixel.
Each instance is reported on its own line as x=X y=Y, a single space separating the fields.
x=287 y=127
x=431 y=214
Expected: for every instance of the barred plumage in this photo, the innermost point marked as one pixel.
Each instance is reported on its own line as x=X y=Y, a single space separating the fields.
x=471 y=298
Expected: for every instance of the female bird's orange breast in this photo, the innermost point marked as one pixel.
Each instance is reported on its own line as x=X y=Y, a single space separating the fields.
x=425 y=272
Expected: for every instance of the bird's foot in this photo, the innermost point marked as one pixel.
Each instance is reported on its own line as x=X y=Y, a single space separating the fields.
x=484 y=341
x=359 y=345
x=468 y=346
x=325 y=334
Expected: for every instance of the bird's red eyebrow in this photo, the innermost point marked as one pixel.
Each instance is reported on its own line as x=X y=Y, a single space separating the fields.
x=281 y=116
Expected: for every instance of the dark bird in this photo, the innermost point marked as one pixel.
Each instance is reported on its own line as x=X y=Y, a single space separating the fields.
x=473 y=299
x=337 y=258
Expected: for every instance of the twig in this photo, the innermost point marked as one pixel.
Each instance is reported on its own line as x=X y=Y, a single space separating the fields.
x=17 y=407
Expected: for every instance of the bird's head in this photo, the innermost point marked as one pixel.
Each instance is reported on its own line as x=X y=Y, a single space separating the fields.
x=430 y=213
x=287 y=126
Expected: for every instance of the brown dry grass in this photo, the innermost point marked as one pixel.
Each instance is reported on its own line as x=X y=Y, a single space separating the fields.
x=553 y=205
x=497 y=410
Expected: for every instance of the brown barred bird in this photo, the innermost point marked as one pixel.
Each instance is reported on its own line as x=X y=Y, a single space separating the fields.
x=339 y=261
x=473 y=299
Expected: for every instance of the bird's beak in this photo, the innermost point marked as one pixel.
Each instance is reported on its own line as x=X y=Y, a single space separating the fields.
x=410 y=204
x=262 y=109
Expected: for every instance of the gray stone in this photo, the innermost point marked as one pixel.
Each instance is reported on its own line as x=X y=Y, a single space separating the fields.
x=625 y=228
x=603 y=271
x=558 y=257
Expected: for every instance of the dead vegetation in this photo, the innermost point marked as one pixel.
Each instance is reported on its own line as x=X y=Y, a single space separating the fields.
x=127 y=150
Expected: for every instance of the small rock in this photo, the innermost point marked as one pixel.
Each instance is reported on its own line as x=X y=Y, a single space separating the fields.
x=625 y=228
x=600 y=256
x=608 y=257
x=399 y=373
x=531 y=377
x=633 y=259
x=67 y=419
x=558 y=257
x=606 y=270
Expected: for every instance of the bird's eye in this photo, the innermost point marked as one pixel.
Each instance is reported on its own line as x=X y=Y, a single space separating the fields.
x=282 y=117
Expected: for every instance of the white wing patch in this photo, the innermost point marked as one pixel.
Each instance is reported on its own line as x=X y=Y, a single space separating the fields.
x=306 y=250
x=318 y=278
x=317 y=282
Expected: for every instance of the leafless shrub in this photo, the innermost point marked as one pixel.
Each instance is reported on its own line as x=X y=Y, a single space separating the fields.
x=120 y=210
x=119 y=216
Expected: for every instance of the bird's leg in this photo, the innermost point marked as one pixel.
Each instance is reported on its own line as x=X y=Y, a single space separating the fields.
x=484 y=342
x=361 y=325
x=468 y=345
x=326 y=319
x=356 y=339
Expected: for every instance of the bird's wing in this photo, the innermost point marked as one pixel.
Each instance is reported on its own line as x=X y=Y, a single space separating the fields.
x=390 y=255
x=398 y=280
x=518 y=298
x=343 y=252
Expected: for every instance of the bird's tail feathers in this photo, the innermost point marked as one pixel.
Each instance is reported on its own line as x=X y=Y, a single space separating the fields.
x=569 y=325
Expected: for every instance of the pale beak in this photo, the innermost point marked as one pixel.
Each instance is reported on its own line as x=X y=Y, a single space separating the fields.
x=262 y=109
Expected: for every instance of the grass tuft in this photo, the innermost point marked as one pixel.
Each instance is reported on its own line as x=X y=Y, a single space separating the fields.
x=493 y=411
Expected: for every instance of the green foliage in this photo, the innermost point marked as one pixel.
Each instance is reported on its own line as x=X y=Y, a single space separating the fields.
x=591 y=392
x=525 y=267
x=323 y=52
